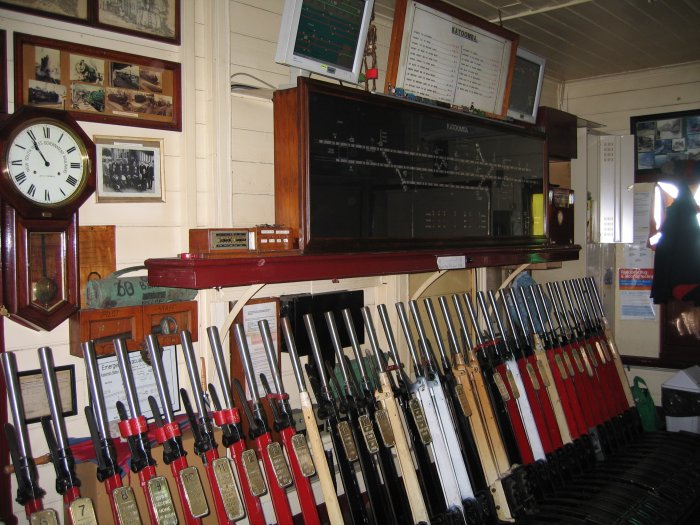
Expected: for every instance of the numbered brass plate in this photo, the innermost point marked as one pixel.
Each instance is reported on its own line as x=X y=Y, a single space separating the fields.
x=501 y=386
x=82 y=512
x=591 y=354
x=513 y=385
x=385 y=428
x=606 y=351
x=127 y=509
x=419 y=418
x=588 y=368
x=569 y=366
x=602 y=354
x=368 y=433
x=303 y=454
x=194 y=492
x=533 y=376
x=348 y=442
x=543 y=373
x=279 y=464
x=577 y=359
x=463 y=401
x=560 y=365
x=537 y=343
x=256 y=481
x=227 y=488
x=162 y=501
x=44 y=517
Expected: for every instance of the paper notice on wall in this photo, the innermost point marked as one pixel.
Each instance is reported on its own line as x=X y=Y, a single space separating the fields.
x=252 y=313
x=643 y=198
x=637 y=255
x=634 y=292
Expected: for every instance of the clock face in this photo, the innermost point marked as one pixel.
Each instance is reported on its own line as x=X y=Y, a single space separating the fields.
x=47 y=163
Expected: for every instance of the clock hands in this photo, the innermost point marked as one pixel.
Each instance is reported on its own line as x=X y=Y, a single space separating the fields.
x=36 y=146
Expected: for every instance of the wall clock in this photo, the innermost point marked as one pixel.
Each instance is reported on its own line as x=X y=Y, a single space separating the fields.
x=47 y=170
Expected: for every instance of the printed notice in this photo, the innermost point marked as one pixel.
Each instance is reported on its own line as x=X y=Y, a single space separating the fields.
x=635 y=288
x=448 y=60
x=252 y=313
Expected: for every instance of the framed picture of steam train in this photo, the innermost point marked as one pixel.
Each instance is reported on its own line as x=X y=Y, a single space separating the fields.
x=96 y=84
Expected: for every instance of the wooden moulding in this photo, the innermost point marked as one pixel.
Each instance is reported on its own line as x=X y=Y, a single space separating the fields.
x=133 y=322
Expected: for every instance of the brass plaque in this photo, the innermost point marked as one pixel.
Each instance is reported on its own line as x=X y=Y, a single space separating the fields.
x=194 y=492
x=463 y=401
x=501 y=386
x=348 y=442
x=419 y=418
x=385 y=427
x=533 y=376
x=587 y=364
x=577 y=359
x=82 y=512
x=228 y=489
x=279 y=464
x=127 y=509
x=162 y=501
x=256 y=480
x=569 y=366
x=537 y=343
x=602 y=353
x=368 y=433
x=301 y=450
x=543 y=373
x=513 y=386
x=560 y=365
x=44 y=517
x=591 y=354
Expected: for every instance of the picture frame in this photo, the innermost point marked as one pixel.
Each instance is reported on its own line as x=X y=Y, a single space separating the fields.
x=97 y=85
x=666 y=145
x=3 y=72
x=153 y=20
x=129 y=169
x=418 y=66
x=78 y=12
x=35 y=399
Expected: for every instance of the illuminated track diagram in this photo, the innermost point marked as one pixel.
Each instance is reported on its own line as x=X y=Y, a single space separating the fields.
x=402 y=168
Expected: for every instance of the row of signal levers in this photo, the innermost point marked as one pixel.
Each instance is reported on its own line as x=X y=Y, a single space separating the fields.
x=504 y=407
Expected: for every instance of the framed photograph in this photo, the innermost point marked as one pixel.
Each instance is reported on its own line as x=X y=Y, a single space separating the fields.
x=442 y=53
x=155 y=19
x=76 y=11
x=666 y=145
x=3 y=72
x=36 y=403
x=96 y=84
x=129 y=169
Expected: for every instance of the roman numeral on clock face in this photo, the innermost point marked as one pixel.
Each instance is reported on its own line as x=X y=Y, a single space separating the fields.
x=31 y=191
x=75 y=165
x=20 y=178
x=17 y=162
x=47 y=196
x=71 y=149
x=72 y=180
x=47 y=132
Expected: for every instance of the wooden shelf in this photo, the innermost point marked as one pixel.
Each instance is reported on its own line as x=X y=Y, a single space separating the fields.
x=220 y=273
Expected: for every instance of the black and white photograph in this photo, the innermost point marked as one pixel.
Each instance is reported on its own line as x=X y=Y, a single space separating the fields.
x=125 y=75
x=46 y=94
x=129 y=169
x=85 y=69
x=151 y=80
x=154 y=18
x=77 y=9
x=47 y=65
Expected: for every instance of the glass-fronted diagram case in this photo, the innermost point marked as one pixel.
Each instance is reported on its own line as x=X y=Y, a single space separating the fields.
x=358 y=171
